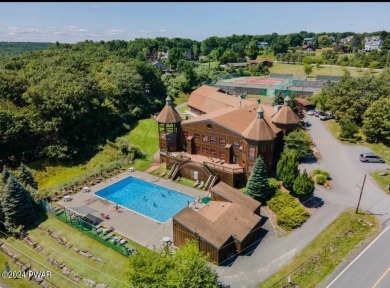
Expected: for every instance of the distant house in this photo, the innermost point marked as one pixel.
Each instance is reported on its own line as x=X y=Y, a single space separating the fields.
x=372 y=43
x=267 y=63
x=162 y=55
x=262 y=45
x=242 y=64
x=160 y=65
x=308 y=44
x=151 y=56
x=346 y=40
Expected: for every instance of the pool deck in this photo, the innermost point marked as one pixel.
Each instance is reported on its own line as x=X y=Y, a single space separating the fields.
x=129 y=224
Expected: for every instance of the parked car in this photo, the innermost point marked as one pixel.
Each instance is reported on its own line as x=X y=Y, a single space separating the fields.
x=371 y=157
x=311 y=112
x=319 y=113
x=326 y=116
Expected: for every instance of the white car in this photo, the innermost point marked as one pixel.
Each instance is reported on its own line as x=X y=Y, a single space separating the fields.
x=326 y=116
x=311 y=112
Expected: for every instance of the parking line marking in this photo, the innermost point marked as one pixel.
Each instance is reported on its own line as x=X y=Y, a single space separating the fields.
x=380 y=279
x=361 y=253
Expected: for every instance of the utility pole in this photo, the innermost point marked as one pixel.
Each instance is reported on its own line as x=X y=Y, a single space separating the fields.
x=387 y=60
x=361 y=192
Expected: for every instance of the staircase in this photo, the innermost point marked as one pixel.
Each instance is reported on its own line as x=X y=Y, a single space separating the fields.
x=173 y=169
x=215 y=178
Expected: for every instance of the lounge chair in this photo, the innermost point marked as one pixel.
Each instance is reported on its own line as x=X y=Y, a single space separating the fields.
x=196 y=183
x=105 y=216
x=108 y=236
x=178 y=179
x=201 y=185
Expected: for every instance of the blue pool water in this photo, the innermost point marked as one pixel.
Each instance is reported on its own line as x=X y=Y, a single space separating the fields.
x=151 y=200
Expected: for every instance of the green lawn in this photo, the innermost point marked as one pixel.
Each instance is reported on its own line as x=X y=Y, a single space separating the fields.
x=52 y=176
x=112 y=271
x=344 y=237
x=264 y=98
x=182 y=98
x=383 y=181
x=283 y=68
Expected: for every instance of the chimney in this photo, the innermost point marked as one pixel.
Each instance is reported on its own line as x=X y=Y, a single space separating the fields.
x=240 y=103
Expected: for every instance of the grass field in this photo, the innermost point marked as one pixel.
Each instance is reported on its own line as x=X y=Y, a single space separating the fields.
x=383 y=181
x=344 y=237
x=112 y=271
x=283 y=68
x=264 y=99
x=51 y=176
x=182 y=98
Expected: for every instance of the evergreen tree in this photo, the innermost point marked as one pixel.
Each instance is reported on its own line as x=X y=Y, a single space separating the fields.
x=26 y=177
x=303 y=185
x=18 y=206
x=257 y=186
x=278 y=100
x=287 y=169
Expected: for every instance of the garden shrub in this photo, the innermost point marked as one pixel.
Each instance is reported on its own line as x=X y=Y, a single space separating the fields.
x=274 y=185
x=292 y=217
x=321 y=172
x=319 y=179
x=290 y=213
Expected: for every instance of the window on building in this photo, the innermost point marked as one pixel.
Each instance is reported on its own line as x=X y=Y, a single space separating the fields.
x=205 y=151
x=221 y=155
x=236 y=144
x=205 y=138
x=162 y=147
x=185 y=134
x=222 y=141
x=197 y=149
x=213 y=140
x=213 y=153
x=196 y=137
x=263 y=152
x=250 y=168
x=252 y=152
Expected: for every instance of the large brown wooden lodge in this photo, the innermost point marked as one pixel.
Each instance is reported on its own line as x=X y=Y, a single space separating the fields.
x=221 y=143
x=224 y=138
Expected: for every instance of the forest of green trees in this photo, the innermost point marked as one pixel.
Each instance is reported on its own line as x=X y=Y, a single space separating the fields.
x=63 y=101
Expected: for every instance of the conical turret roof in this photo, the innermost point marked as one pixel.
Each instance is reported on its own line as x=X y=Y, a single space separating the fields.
x=169 y=114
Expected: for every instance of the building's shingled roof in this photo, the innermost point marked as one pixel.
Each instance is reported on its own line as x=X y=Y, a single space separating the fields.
x=217 y=221
x=233 y=195
x=208 y=99
x=169 y=114
x=237 y=120
x=285 y=115
x=303 y=101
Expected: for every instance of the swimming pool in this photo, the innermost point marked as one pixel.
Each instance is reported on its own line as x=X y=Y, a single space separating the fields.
x=148 y=199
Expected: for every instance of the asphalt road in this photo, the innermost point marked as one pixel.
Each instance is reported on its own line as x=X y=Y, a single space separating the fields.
x=371 y=268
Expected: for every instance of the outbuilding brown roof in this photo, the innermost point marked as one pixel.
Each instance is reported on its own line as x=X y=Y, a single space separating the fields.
x=303 y=101
x=217 y=221
x=235 y=196
x=285 y=116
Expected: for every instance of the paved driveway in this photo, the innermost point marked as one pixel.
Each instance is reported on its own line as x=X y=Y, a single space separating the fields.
x=347 y=172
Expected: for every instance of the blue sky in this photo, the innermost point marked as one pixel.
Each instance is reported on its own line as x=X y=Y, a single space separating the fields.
x=74 y=22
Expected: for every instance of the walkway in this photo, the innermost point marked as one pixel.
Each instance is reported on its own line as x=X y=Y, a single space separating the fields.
x=136 y=227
